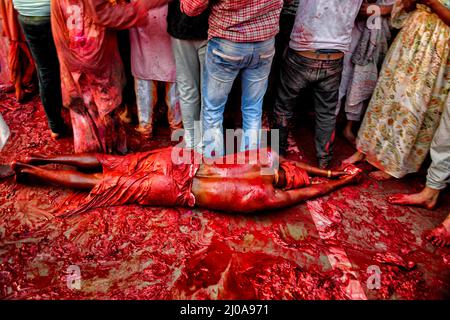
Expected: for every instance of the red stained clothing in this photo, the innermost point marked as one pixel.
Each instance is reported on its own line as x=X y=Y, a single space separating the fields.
x=239 y=20
x=149 y=179
x=296 y=177
x=20 y=60
x=92 y=74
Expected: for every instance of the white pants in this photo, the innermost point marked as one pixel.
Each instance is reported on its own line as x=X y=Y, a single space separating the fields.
x=4 y=132
x=439 y=171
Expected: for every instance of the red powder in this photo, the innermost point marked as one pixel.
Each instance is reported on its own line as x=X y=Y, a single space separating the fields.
x=133 y=252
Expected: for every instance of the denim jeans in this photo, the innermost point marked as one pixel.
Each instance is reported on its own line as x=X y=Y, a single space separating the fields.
x=225 y=60
x=38 y=34
x=323 y=77
x=190 y=60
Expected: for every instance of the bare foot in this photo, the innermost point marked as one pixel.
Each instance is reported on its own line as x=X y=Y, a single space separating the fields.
x=5 y=171
x=125 y=116
x=380 y=176
x=20 y=169
x=349 y=135
x=145 y=131
x=427 y=198
x=355 y=158
x=440 y=236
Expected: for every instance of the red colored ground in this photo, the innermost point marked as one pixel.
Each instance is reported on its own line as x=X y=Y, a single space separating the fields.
x=317 y=250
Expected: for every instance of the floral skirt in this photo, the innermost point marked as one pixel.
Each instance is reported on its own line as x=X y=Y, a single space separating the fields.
x=408 y=101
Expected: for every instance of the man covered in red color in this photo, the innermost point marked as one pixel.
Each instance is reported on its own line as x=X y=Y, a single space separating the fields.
x=20 y=60
x=241 y=183
x=91 y=68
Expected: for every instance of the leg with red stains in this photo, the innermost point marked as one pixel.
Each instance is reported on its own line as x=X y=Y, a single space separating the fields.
x=355 y=158
x=147 y=97
x=82 y=160
x=173 y=106
x=440 y=236
x=65 y=178
x=380 y=175
x=348 y=132
x=427 y=198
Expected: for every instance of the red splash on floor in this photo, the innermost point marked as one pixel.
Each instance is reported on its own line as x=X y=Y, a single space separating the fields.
x=156 y=253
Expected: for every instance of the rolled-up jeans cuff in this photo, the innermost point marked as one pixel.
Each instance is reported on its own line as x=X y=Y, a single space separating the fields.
x=436 y=185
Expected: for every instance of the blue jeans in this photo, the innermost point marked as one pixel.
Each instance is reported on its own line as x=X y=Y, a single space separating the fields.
x=225 y=60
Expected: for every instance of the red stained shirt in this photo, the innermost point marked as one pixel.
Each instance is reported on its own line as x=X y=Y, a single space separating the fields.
x=239 y=20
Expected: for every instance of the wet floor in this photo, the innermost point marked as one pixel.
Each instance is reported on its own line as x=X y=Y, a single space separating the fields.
x=349 y=245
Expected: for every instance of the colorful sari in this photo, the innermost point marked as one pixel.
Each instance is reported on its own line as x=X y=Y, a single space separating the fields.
x=411 y=93
x=92 y=73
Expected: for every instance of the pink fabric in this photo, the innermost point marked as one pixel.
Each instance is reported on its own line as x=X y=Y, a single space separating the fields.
x=151 y=49
x=92 y=74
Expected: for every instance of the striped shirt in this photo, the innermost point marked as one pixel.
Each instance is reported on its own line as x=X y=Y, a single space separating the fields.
x=239 y=20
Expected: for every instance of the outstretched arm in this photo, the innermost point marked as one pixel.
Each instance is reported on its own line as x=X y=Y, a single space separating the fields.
x=283 y=199
x=316 y=171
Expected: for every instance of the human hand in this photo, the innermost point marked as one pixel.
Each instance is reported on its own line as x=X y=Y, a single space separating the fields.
x=409 y=5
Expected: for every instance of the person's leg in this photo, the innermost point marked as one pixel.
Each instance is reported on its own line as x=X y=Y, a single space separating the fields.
x=224 y=60
x=82 y=160
x=326 y=98
x=173 y=106
x=39 y=37
x=128 y=95
x=438 y=173
x=291 y=80
x=146 y=99
x=254 y=87
x=65 y=178
x=188 y=57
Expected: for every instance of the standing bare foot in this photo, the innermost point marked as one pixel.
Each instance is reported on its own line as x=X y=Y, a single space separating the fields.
x=355 y=158
x=348 y=133
x=427 y=198
x=380 y=176
x=440 y=236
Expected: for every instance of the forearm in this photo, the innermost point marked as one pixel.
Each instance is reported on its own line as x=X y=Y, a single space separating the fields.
x=194 y=7
x=317 y=171
x=442 y=11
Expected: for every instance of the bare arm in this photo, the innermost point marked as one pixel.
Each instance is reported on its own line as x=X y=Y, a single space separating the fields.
x=283 y=199
x=316 y=171
x=442 y=11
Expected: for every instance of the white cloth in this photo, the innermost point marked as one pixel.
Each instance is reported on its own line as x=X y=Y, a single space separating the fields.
x=439 y=172
x=151 y=49
x=4 y=132
x=324 y=24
